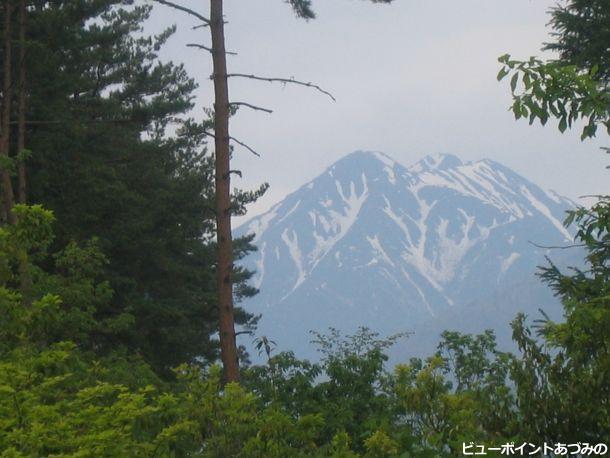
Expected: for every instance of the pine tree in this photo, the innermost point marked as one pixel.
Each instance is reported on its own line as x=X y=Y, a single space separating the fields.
x=222 y=140
x=22 y=105
x=581 y=29
x=115 y=156
x=562 y=383
x=5 y=118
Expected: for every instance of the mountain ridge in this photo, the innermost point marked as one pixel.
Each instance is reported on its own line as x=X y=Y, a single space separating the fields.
x=372 y=242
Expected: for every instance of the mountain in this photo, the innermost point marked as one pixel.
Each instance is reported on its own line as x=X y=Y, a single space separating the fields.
x=440 y=244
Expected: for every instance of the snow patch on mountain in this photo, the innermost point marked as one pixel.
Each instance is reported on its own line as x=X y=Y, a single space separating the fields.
x=259 y=225
x=379 y=251
x=289 y=212
x=546 y=212
x=389 y=164
x=295 y=253
x=509 y=261
x=260 y=266
x=371 y=242
x=340 y=221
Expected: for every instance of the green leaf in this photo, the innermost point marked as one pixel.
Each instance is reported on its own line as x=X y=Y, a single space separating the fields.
x=517 y=109
x=524 y=111
x=502 y=73
x=513 y=82
x=503 y=59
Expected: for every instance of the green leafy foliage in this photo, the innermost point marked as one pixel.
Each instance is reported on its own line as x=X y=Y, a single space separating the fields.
x=582 y=34
x=304 y=8
x=106 y=311
x=544 y=90
x=573 y=368
x=59 y=397
x=562 y=379
x=113 y=153
x=575 y=86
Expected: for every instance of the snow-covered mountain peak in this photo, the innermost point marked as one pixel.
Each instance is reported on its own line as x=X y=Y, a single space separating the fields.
x=493 y=184
x=367 y=161
x=365 y=155
x=372 y=242
x=378 y=168
x=435 y=162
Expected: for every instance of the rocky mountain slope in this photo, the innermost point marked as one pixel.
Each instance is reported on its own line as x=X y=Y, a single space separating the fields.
x=440 y=244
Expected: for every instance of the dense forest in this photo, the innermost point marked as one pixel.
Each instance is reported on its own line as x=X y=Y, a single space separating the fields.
x=109 y=266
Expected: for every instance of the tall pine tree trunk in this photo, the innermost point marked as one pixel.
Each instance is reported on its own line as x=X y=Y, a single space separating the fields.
x=22 y=196
x=25 y=280
x=228 y=345
x=7 y=186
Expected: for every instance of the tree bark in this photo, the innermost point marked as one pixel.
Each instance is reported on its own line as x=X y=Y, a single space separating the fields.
x=7 y=186
x=22 y=190
x=228 y=345
x=25 y=280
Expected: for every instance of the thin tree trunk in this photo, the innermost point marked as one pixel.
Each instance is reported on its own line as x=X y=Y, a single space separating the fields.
x=7 y=186
x=228 y=345
x=22 y=196
x=25 y=280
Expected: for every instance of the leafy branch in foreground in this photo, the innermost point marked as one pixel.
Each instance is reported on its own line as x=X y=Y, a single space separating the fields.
x=544 y=90
x=576 y=85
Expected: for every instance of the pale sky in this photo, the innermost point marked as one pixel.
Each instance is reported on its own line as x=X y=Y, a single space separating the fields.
x=412 y=78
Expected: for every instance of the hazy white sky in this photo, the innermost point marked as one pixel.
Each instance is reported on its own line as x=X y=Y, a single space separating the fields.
x=411 y=78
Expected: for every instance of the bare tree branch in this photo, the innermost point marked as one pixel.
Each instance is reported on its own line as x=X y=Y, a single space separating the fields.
x=88 y=121
x=195 y=45
x=205 y=48
x=566 y=247
x=201 y=26
x=202 y=18
x=283 y=80
x=245 y=146
x=236 y=141
x=254 y=107
x=597 y=196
